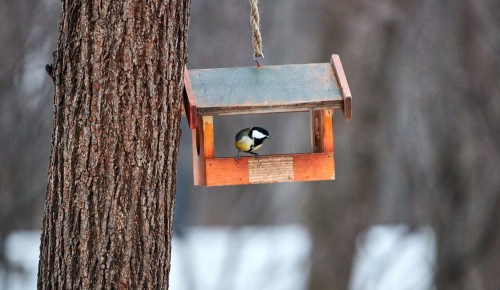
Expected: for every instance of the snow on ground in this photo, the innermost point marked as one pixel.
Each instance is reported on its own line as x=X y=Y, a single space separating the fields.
x=393 y=258
x=266 y=258
x=245 y=258
x=22 y=249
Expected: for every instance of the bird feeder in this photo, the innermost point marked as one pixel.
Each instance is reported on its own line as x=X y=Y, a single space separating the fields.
x=318 y=88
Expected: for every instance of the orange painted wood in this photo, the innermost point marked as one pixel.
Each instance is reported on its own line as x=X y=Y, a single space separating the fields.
x=327 y=130
x=227 y=171
x=208 y=136
x=314 y=166
x=306 y=167
x=190 y=108
x=322 y=131
x=343 y=85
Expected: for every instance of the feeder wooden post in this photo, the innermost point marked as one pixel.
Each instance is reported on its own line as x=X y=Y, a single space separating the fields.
x=198 y=145
x=322 y=130
x=208 y=136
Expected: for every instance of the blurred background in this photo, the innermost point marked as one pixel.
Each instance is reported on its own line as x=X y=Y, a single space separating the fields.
x=416 y=203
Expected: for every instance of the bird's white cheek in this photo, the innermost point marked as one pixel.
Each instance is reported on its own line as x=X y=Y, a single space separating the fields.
x=258 y=135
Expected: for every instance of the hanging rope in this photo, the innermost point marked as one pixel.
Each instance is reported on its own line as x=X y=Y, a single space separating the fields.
x=256 y=38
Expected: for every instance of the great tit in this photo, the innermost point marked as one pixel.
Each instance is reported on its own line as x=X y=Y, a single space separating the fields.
x=249 y=140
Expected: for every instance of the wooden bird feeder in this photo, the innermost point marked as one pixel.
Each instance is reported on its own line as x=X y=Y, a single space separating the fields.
x=317 y=88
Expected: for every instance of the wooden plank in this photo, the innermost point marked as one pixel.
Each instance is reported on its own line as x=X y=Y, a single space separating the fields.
x=227 y=171
x=284 y=88
x=313 y=167
x=344 y=86
x=271 y=169
x=306 y=167
x=190 y=109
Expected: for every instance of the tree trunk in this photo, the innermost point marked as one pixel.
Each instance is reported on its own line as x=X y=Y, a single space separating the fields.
x=111 y=192
x=430 y=156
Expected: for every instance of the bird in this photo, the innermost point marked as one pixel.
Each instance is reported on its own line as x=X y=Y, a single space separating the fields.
x=249 y=140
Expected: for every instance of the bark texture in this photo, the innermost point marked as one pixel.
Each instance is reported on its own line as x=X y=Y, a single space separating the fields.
x=111 y=192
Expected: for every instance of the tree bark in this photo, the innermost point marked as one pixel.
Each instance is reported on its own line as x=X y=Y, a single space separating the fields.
x=109 y=207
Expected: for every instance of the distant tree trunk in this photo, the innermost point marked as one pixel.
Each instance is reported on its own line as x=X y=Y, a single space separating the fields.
x=341 y=210
x=444 y=84
x=432 y=155
x=111 y=192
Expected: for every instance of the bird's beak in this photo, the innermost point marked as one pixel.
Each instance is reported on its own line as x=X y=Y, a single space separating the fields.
x=269 y=137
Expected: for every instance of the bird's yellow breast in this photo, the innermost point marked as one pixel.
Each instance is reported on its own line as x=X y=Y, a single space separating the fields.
x=243 y=145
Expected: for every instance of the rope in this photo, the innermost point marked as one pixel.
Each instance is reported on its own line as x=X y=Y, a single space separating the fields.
x=256 y=38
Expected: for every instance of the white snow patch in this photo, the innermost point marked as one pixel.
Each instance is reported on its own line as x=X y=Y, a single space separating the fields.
x=394 y=258
x=213 y=258
x=22 y=250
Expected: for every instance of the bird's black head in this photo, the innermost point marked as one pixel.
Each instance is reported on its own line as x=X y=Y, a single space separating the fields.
x=258 y=133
